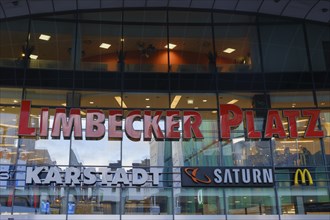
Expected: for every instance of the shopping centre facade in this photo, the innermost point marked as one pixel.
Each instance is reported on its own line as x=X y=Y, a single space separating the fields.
x=164 y=110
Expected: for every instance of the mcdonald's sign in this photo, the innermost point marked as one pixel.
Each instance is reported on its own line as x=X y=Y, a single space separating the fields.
x=302 y=174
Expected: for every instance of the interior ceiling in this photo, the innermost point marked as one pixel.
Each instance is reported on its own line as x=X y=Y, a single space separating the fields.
x=316 y=10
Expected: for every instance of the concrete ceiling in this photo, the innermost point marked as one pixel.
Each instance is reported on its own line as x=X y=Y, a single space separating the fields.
x=315 y=10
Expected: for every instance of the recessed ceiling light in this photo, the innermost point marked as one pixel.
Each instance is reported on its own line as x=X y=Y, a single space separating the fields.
x=13 y=107
x=214 y=111
x=232 y=101
x=63 y=104
x=148 y=106
x=105 y=46
x=23 y=54
x=147 y=99
x=175 y=101
x=229 y=50
x=122 y=39
x=322 y=103
x=171 y=46
x=3 y=109
x=44 y=37
x=120 y=102
x=91 y=103
x=33 y=57
x=15 y=101
x=190 y=101
x=196 y=107
x=204 y=100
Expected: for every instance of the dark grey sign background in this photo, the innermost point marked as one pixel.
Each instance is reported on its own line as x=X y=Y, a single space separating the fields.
x=186 y=181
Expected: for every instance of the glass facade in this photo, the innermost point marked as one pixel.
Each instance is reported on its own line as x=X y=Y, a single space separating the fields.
x=162 y=61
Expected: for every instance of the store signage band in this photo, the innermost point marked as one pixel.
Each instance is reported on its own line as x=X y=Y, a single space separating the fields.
x=231 y=116
x=226 y=177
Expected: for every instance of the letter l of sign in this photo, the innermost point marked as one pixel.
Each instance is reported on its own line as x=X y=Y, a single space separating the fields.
x=23 y=126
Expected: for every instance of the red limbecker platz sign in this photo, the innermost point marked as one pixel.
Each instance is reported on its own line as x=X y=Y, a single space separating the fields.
x=231 y=116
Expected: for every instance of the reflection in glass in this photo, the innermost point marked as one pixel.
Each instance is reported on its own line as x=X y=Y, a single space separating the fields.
x=297 y=152
x=291 y=99
x=251 y=201
x=202 y=201
x=147 y=201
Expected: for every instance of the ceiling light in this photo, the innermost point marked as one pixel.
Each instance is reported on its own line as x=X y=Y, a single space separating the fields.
x=23 y=54
x=232 y=101
x=63 y=104
x=91 y=103
x=196 y=107
x=44 y=37
x=148 y=106
x=3 y=109
x=147 y=99
x=214 y=112
x=105 y=46
x=15 y=101
x=322 y=103
x=229 y=50
x=122 y=39
x=204 y=100
x=175 y=101
x=171 y=46
x=33 y=57
x=120 y=102
x=190 y=101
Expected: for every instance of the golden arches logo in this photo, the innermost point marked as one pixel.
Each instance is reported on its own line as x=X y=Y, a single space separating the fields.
x=192 y=173
x=302 y=173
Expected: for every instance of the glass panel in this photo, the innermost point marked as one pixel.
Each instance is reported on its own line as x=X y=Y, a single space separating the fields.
x=232 y=18
x=251 y=201
x=191 y=49
x=144 y=48
x=145 y=16
x=13 y=36
x=297 y=152
x=319 y=46
x=40 y=201
x=189 y=17
x=147 y=201
x=325 y=121
x=291 y=99
x=146 y=100
x=45 y=97
x=237 y=49
x=245 y=100
x=97 y=99
x=323 y=98
x=53 y=36
x=327 y=150
x=9 y=118
x=239 y=152
x=205 y=152
x=10 y=96
x=203 y=201
x=99 y=45
x=304 y=201
x=94 y=201
x=283 y=48
x=193 y=100
x=6 y=199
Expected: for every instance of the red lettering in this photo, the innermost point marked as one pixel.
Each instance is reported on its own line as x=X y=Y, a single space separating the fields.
x=44 y=122
x=67 y=125
x=292 y=115
x=129 y=129
x=151 y=126
x=172 y=125
x=23 y=126
x=230 y=116
x=313 y=115
x=251 y=132
x=115 y=126
x=274 y=125
x=191 y=122
x=95 y=124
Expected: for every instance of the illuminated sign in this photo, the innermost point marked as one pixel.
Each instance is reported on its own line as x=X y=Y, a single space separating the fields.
x=302 y=174
x=226 y=177
x=231 y=116
x=44 y=175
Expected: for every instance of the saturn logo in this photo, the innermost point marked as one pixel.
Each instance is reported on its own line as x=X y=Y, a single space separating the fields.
x=192 y=173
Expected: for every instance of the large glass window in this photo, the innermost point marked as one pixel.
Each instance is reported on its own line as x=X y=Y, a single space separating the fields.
x=236 y=48
x=319 y=46
x=51 y=44
x=13 y=42
x=250 y=201
x=283 y=48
